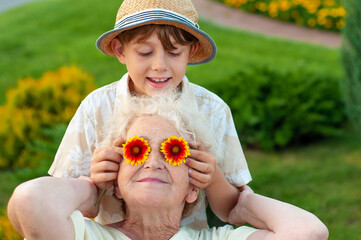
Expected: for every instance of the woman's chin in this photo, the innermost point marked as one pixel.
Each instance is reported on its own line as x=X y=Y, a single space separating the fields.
x=151 y=200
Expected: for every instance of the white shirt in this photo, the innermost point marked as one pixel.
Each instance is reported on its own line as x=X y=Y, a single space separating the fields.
x=86 y=229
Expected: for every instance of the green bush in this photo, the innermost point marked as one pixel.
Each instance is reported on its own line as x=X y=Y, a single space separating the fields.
x=351 y=56
x=274 y=108
x=37 y=104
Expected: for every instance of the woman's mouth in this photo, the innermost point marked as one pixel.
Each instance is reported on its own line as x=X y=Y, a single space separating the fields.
x=151 y=180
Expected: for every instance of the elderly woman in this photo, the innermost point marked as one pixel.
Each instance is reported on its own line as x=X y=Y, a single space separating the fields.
x=153 y=188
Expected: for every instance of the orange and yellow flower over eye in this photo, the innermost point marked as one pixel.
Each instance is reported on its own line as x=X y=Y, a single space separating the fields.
x=175 y=150
x=136 y=150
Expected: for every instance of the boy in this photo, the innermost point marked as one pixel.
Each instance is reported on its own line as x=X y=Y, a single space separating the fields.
x=155 y=40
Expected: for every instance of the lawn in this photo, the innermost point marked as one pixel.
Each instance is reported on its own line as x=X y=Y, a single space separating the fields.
x=322 y=177
x=49 y=41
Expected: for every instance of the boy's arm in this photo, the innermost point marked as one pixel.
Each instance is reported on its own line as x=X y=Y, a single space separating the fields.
x=205 y=173
x=275 y=219
x=221 y=195
x=41 y=208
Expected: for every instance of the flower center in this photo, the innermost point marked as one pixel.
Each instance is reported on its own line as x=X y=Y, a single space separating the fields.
x=136 y=150
x=175 y=149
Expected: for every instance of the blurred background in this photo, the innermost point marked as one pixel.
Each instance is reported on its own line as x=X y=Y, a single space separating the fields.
x=289 y=70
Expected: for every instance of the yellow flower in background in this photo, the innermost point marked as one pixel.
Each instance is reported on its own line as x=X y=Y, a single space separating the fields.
x=311 y=22
x=328 y=23
x=273 y=9
x=312 y=13
x=261 y=6
x=340 y=24
x=284 y=5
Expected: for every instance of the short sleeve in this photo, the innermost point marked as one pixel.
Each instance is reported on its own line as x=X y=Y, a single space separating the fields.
x=79 y=225
x=86 y=229
x=229 y=153
x=84 y=133
x=233 y=164
x=75 y=151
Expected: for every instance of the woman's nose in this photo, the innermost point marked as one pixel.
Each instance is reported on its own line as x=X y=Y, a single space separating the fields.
x=155 y=160
x=160 y=62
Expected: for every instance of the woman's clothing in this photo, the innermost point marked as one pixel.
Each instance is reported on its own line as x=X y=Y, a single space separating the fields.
x=86 y=229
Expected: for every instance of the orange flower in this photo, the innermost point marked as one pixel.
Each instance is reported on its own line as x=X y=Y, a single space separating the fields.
x=175 y=150
x=136 y=150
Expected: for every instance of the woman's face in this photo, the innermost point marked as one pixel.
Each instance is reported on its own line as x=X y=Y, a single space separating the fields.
x=155 y=182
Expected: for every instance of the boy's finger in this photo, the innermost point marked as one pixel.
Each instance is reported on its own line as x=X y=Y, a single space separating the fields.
x=200 y=155
x=194 y=144
x=197 y=183
x=198 y=146
x=112 y=154
x=98 y=150
x=199 y=166
x=118 y=150
x=118 y=142
x=202 y=178
x=104 y=177
x=106 y=166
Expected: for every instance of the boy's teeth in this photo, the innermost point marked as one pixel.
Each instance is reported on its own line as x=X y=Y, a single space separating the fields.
x=159 y=79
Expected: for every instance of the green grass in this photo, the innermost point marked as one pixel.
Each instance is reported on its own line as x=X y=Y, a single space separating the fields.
x=62 y=35
x=322 y=178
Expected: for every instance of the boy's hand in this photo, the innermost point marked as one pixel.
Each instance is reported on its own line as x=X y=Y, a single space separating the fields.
x=105 y=164
x=202 y=165
x=93 y=210
x=235 y=216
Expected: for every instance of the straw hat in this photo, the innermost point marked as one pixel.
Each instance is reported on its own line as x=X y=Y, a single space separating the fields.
x=179 y=13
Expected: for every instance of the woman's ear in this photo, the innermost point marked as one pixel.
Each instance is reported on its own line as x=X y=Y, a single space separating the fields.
x=117 y=192
x=117 y=48
x=194 y=49
x=192 y=194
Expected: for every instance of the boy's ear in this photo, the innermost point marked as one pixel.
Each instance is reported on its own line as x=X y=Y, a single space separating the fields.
x=194 y=49
x=117 y=48
x=192 y=194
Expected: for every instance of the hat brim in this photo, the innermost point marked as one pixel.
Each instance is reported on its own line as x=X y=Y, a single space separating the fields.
x=207 y=48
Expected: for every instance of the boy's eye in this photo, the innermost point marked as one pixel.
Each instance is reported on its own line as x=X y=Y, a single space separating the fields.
x=145 y=53
x=175 y=53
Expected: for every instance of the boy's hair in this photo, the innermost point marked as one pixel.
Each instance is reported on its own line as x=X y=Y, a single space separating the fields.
x=164 y=32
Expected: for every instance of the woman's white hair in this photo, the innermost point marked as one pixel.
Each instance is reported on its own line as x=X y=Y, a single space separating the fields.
x=179 y=109
x=174 y=107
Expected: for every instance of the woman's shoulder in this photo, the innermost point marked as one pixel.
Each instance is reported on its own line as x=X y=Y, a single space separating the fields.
x=91 y=230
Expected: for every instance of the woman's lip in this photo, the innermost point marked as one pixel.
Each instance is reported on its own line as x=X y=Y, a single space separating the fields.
x=153 y=180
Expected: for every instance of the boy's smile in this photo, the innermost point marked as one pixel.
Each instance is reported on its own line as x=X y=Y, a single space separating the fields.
x=152 y=68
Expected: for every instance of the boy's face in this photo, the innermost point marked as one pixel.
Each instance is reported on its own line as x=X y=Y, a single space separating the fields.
x=153 y=69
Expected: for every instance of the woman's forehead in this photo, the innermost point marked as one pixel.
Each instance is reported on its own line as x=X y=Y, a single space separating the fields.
x=152 y=126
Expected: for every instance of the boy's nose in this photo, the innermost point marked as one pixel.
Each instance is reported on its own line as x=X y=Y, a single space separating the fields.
x=155 y=160
x=160 y=62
